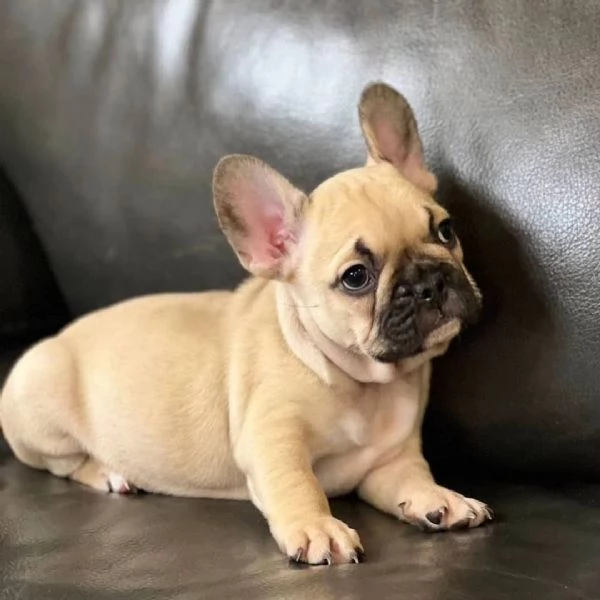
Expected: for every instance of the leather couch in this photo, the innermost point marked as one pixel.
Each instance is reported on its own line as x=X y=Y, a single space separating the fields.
x=112 y=116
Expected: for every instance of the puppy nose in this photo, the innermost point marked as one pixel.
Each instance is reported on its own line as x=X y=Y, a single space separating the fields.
x=430 y=290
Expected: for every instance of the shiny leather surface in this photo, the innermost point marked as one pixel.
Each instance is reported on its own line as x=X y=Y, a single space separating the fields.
x=60 y=541
x=112 y=136
x=112 y=116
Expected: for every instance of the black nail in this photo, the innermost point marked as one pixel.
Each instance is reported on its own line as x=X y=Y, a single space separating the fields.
x=490 y=513
x=327 y=560
x=358 y=556
x=435 y=516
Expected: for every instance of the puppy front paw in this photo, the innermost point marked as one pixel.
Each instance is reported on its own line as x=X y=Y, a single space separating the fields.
x=322 y=540
x=434 y=508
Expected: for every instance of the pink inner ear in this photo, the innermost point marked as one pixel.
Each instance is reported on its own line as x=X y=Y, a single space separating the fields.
x=390 y=143
x=405 y=154
x=263 y=214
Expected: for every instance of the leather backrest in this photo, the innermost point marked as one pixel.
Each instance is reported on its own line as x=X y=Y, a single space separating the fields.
x=30 y=302
x=114 y=113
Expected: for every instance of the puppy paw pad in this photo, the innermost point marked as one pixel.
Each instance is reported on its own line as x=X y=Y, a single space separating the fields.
x=436 y=516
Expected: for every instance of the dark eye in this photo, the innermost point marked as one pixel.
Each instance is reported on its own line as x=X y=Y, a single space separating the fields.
x=445 y=232
x=356 y=279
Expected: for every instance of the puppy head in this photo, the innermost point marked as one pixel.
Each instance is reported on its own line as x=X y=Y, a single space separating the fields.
x=369 y=255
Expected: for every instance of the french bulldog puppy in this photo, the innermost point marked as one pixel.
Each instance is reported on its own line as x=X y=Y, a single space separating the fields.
x=308 y=381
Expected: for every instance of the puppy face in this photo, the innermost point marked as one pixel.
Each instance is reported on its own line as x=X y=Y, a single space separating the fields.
x=370 y=255
x=382 y=270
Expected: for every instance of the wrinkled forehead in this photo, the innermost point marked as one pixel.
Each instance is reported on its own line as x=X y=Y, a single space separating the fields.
x=375 y=205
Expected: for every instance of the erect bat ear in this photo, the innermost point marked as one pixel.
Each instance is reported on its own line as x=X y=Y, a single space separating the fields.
x=260 y=213
x=391 y=133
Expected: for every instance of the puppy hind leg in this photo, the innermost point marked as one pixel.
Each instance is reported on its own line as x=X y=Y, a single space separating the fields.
x=40 y=411
x=78 y=467
x=73 y=463
x=97 y=476
x=37 y=409
x=59 y=463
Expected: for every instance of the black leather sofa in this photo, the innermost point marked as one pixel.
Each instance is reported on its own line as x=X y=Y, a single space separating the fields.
x=112 y=116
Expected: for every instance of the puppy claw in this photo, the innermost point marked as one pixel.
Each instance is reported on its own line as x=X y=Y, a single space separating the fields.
x=323 y=540
x=327 y=560
x=358 y=556
x=433 y=508
x=297 y=558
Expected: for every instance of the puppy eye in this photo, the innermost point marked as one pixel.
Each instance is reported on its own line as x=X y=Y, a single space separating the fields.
x=356 y=279
x=445 y=232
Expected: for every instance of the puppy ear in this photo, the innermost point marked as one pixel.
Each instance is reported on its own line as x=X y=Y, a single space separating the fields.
x=260 y=213
x=390 y=131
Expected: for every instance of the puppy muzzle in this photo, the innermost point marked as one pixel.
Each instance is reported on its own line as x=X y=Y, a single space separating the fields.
x=437 y=294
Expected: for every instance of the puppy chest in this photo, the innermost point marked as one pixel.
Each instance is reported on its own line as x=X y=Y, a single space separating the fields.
x=364 y=432
x=379 y=418
x=382 y=417
x=393 y=421
x=354 y=428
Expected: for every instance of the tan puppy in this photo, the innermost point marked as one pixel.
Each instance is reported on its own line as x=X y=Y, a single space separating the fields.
x=310 y=380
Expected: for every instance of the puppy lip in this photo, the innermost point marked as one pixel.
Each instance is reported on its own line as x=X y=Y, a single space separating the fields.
x=393 y=355
x=448 y=329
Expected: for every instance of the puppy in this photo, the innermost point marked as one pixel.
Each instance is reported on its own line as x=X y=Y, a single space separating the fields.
x=310 y=380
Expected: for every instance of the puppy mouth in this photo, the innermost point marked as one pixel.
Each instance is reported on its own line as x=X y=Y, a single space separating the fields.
x=444 y=330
